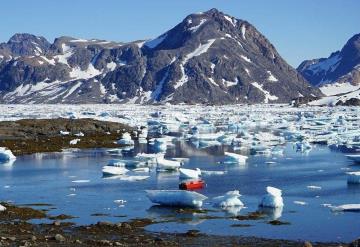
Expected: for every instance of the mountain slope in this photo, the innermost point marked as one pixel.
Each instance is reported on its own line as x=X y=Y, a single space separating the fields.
x=339 y=74
x=209 y=57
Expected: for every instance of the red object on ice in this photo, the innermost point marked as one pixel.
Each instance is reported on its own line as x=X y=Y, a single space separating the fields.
x=192 y=185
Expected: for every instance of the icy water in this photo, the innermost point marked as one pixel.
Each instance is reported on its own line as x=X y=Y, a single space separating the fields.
x=72 y=183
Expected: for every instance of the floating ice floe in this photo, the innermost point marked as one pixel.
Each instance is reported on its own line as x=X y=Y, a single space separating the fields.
x=176 y=198
x=189 y=173
x=2 y=208
x=233 y=157
x=6 y=155
x=313 y=187
x=300 y=203
x=81 y=181
x=164 y=164
x=353 y=177
x=230 y=199
x=126 y=139
x=141 y=169
x=347 y=208
x=210 y=173
x=273 y=198
x=114 y=170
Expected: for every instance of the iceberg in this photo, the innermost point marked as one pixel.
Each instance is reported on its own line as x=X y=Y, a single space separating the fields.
x=6 y=155
x=353 y=178
x=176 y=198
x=114 y=170
x=233 y=157
x=230 y=199
x=273 y=199
x=164 y=164
x=189 y=173
x=2 y=208
x=126 y=140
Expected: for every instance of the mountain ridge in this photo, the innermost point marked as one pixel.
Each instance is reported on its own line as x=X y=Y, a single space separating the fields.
x=209 y=57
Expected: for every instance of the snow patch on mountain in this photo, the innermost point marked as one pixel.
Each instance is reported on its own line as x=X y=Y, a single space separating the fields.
x=271 y=77
x=267 y=94
x=338 y=88
x=155 y=42
x=203 y=48
x=195 y=28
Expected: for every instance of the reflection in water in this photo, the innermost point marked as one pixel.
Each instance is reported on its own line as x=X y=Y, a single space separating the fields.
x=232 y=211
x=176 y=214
x=272 y=213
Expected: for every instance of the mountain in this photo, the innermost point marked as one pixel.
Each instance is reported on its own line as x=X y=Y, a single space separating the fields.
x=339 y=74
x=209 y=57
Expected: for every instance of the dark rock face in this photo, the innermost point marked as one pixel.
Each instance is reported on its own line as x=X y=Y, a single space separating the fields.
x=208 y=58
x=342 y=66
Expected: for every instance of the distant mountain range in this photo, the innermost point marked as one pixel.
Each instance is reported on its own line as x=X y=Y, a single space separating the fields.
x=209 y=58
x=337 y=76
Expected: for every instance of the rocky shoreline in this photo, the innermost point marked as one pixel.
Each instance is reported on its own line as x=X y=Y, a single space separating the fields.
x=29 y=136
x=16 y=230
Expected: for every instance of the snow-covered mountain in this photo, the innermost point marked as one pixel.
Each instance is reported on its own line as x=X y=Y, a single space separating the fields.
x=339 y=74
x=209 y=57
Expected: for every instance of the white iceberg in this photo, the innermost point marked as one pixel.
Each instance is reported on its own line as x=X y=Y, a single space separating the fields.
x=114 y=170
x=347 y=208
x=164 y=164
x=353 y=178
x=126 y=140
x=2 y=208
x=6 y=155
x=273 y=199
x=189 y=173
x=176 y=198
x=230 y=199
x=238 y=158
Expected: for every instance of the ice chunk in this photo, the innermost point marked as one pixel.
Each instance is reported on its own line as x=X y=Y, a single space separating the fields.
x=347 y=208
x=273 y=199
x=164 y=164
x=6 y=155
x=230 y=199
x=313 y=187
x=300 y=203
x=353 y=178
x=2 y=208
x=126 y=139
x=176 y=198
x=114 y=170
x=189 y=173
x=81 y=181
x=238 y=158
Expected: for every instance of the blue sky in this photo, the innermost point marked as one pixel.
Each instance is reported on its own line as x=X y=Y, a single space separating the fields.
x=299 y=29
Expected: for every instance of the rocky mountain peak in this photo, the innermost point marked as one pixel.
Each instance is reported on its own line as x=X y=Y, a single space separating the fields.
x=24 y=44
x=209 y=57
